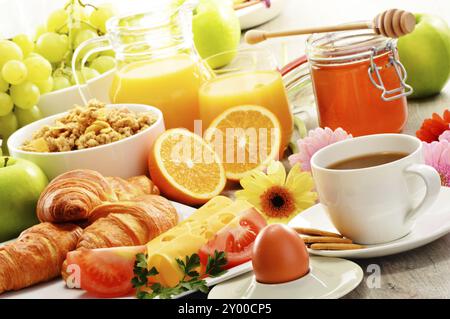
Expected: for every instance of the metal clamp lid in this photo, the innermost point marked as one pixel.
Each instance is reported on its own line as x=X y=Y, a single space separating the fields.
x=389 y=95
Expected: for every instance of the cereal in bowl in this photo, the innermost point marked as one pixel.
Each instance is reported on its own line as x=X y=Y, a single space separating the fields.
x=89 y=126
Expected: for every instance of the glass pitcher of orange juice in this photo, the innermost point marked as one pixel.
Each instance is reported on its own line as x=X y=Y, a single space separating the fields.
x=251 y=78
x=157 y=62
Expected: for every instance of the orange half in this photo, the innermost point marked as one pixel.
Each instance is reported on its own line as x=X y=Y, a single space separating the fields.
x=185 y=168
x=245 y=137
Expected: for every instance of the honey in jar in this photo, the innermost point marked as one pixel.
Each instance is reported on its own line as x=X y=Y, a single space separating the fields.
x=358 y=81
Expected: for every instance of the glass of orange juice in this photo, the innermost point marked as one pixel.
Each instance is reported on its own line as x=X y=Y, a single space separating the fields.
x=251 y=78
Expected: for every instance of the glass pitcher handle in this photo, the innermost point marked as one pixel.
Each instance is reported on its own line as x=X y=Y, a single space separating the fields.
x=105 y=46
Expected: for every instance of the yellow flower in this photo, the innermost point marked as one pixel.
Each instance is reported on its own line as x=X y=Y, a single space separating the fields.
x=278 y=197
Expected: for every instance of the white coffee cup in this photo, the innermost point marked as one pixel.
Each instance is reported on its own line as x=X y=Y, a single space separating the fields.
x=376 y=204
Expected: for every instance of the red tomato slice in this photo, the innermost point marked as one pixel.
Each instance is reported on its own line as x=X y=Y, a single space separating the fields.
x=106 y=272
x=235 y=241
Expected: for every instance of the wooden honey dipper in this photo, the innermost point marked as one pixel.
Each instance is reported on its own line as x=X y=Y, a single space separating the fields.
x=391 y=23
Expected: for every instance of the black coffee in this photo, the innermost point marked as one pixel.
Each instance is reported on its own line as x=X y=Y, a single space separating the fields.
x=368 y=160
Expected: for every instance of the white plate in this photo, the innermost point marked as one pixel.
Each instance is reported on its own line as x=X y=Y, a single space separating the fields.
x=257 y=14
x=56 y=289
x=329 y=278
x=428 y=227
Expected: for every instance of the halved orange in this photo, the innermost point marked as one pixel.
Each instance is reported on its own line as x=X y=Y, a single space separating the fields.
x=185 y=168
x=245 y=137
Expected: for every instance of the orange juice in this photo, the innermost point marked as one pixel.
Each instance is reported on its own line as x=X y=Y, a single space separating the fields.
x=263 y=88
x=171 y=84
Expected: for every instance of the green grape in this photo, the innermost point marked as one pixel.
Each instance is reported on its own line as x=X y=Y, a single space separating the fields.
x=25 y=117
x=25 y=95
x=14 y=72
x=40 y=30
x=39 y=69
x=52 y=46
x=99 y=17
x=58 y=21
x=103 y=63
x=34 y=54
x=60 y=82
x=110 y=53
x=64 y=72
x=9 y=51
x=45 y=86
x=83 y=35
x=6 y=104
x=8 y=125
x=87 y=73
x=4 y=86
x=25 y=43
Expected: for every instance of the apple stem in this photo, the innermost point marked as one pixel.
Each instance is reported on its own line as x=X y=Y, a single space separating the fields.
x=6 y=161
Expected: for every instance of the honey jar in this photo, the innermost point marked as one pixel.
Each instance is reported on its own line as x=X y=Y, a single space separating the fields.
x=358 y=82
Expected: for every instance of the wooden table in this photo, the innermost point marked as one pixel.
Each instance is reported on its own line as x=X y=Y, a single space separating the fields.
x=422 y=272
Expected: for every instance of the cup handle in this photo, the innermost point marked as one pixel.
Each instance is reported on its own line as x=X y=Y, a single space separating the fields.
x=433 y=185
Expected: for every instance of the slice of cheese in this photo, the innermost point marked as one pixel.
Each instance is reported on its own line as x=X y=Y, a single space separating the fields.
x=188 y=237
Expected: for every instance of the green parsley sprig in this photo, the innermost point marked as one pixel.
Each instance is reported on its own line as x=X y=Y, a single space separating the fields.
x=191 y=278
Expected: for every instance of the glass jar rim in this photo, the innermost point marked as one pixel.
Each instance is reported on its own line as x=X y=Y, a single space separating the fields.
x=340 y=47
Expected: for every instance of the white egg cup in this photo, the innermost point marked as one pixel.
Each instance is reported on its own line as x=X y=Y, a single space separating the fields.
x=285 y=290
x=327 y=278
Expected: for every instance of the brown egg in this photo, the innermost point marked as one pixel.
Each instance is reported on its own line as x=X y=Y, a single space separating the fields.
x=279 y=255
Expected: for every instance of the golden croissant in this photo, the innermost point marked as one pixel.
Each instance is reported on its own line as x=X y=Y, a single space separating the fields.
x=71 y=196
x=128 y=223
x=37 y=255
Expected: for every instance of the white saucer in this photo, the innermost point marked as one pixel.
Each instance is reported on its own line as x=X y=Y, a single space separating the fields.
x=328 y=278
x=428 y=227
x=258 y=13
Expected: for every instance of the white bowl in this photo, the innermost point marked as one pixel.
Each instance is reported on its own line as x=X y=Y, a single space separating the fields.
x=124 y=158
x=63 y=100
x=258 y=13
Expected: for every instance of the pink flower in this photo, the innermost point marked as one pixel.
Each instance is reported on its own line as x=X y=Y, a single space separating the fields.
x=437 y=154
x=316 y=140
x=445 y=136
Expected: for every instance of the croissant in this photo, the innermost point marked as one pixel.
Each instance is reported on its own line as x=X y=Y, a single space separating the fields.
x=128 y=223
x=71 y=196
x=132 y=187
x=37 y=255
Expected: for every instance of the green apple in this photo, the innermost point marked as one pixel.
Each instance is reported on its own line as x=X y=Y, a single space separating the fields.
x=216 y=29
x=21 y=184
x=8 y=125
x=425 y=53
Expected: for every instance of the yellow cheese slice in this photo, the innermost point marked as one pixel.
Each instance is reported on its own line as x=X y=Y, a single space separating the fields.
x=187 y=238
x=211 y=207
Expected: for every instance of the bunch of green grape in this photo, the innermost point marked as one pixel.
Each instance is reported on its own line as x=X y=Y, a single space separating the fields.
x=30 y=67
x=23 y=76
x=65 y=30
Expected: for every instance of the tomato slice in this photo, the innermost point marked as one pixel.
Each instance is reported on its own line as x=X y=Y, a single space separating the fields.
x=106 y=272
x=235 y=240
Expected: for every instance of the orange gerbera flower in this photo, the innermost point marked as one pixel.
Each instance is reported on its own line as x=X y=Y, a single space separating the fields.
x=432 y=128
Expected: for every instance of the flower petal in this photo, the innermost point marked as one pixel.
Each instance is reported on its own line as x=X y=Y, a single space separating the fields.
x=251 y=197
x=256 y=179
x=276 y=172
x=298 y=181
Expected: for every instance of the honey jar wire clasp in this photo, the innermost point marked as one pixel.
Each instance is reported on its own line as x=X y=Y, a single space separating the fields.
x=389 y=95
